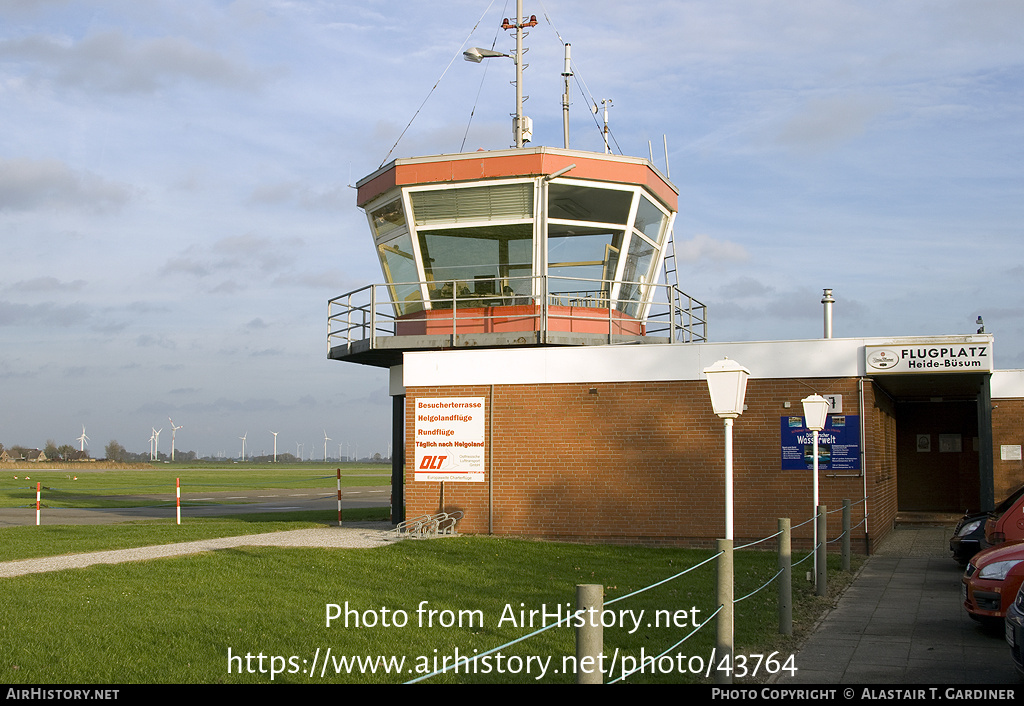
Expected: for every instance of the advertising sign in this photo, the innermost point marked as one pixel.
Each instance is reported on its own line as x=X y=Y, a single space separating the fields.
x=838 y=444
x=450 y=439
x=930 y=358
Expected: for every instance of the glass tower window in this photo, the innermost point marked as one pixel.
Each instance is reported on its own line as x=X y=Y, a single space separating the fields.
x=501 y=202
x=399 y=264
x=476 y=243
x=582 y=261
x=571 y=202
x=479 y=245
x=387 y=219
x=485 y=264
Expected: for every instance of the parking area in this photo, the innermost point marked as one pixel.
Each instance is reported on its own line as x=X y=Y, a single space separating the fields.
x=902 y=622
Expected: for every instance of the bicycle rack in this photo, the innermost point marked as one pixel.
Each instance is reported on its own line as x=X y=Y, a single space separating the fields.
x=426 y=526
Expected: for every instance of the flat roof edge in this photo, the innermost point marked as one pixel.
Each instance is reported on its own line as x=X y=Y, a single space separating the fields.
x=396 y=172
x=812 y=358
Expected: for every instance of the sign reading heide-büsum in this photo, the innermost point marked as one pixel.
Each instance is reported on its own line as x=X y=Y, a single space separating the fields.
x=945 y=357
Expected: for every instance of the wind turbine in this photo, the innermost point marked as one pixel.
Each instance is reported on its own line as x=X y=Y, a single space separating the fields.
x=243 y=444
x=151 y=437
x=156 y=443
x=174 y=431
x=275 y=445
x=83 y=440
x=326 y=439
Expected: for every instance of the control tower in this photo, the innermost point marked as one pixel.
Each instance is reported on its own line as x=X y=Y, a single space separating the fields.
x=521 y=247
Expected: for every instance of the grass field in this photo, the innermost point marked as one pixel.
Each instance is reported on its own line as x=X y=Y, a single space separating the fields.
x=207 y=618
x=178 y=620
x=90 y=487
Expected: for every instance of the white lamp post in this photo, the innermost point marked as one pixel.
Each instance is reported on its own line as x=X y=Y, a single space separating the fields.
x=815 y=413
x=727 y=383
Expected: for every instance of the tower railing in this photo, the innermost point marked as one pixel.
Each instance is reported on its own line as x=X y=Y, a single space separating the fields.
x=541 y=304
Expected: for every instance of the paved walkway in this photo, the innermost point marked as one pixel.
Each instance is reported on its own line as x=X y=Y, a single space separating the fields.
x=357 y=535
x=902 y=622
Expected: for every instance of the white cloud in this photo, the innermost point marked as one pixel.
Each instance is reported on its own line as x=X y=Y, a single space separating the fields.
x=306 y=197
x=826 y=122
x=46 y=314
x=703 y=247
x=111 y=61
x=30 y=184
x=46 y=284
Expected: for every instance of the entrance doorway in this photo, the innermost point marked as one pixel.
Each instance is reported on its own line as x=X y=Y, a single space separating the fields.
x=937 y=456
x=942 y=424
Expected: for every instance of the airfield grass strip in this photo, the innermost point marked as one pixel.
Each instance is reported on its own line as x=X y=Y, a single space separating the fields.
x=174 y=620
x=31 y=542
x=87 y=488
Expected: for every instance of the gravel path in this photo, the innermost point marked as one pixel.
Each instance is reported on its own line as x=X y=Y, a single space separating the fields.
x=365 y=536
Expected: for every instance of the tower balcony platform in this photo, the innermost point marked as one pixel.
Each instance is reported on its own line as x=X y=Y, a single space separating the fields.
x=368 y=326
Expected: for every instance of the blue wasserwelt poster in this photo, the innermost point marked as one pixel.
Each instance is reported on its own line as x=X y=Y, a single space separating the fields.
x=838 y=444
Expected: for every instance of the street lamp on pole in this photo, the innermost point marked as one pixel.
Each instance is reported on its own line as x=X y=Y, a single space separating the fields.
x=727 y=383
x=815 y=414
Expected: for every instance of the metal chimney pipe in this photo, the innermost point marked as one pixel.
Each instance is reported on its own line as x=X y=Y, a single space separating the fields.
x=828 y=301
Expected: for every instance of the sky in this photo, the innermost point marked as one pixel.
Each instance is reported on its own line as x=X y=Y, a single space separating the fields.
x=176 y=204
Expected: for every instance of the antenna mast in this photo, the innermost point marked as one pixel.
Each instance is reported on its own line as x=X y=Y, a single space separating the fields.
x=567 y=75
x=521 y=126
x=607 y=102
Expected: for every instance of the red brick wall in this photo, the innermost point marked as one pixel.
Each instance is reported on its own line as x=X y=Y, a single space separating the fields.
x=1008 y=429
x=644 y=463
x=880 y=450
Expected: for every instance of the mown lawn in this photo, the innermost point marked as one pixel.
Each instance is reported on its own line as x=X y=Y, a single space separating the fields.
x=124 y=487
x=178 y=620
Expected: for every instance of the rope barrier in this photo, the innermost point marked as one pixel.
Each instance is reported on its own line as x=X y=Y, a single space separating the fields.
x=760 y=588
x=691 y=634
x=758 y=541
x=670 y=578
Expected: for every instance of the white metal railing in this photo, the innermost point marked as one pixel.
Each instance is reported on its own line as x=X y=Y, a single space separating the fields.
x=471 y=305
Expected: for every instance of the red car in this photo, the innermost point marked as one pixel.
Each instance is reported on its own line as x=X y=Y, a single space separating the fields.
x=1006 y=527
x=992 y=579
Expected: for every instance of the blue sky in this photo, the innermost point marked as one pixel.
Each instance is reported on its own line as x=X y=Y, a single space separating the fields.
x=175 y=207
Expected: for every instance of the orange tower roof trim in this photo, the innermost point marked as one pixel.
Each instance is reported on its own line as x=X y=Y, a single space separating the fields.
x=529 y=162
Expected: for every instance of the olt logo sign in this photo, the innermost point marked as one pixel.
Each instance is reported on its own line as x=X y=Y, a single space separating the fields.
x=432 y=462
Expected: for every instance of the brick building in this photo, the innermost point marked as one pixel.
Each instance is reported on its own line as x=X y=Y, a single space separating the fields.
x=545 y=384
